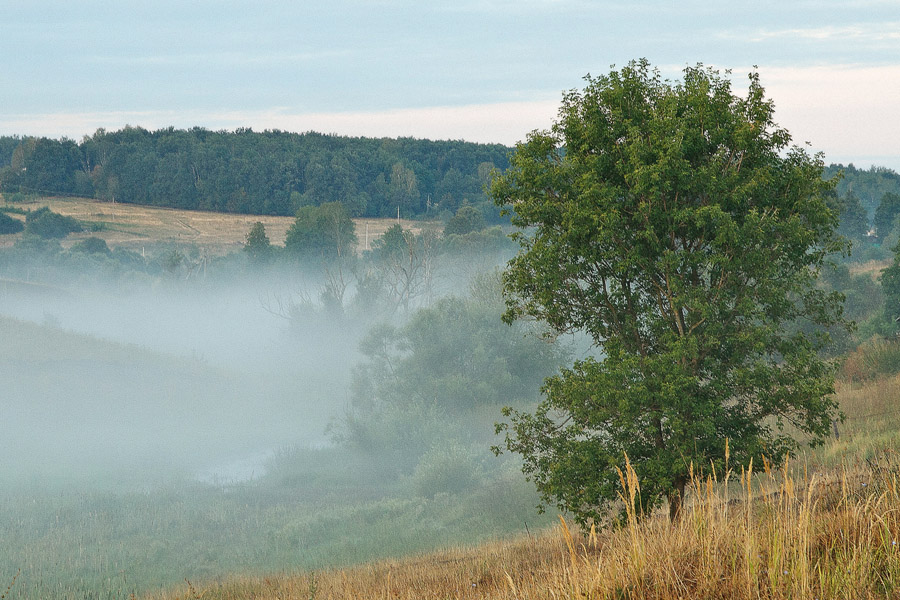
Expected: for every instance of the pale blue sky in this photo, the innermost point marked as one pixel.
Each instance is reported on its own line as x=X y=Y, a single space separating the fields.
x=485 y=71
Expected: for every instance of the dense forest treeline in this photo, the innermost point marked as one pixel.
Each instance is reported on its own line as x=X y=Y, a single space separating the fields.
x=277 y=172
x=868 y=185
x=270 y=172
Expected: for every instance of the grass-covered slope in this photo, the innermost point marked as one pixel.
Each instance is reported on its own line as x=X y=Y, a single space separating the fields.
x=826 y=526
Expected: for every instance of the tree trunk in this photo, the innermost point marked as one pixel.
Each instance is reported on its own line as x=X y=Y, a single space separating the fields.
x=676 y=500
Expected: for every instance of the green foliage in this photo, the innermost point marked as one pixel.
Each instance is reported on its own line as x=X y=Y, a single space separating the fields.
x=447 y=468
x=91 y=245
x=403 y=262
x=854 y=222
x=271 y=172
x=325 y=231
x=890 y=285
x=672 y=223
x=874 y=357
x=423 y=383
x=886 y=213
x=863 y=303
x=257 y=245
x=393 y=243
x=869 y=185
x=490 y=240
x=467 y=219
x=50 y=225
x=10 y=225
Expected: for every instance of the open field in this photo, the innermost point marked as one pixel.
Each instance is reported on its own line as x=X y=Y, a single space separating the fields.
x=134 y=227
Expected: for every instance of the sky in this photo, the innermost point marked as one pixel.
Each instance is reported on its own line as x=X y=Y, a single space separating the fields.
x=484 y=71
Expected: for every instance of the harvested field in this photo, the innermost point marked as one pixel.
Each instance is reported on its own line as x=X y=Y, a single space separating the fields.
x=135 y=227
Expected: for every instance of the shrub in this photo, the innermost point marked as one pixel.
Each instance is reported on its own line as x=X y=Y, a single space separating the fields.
x=91 y=245
x=9 y=224
x=50 y=225
x=468 y=219
x=446 y=468
x=877 y=356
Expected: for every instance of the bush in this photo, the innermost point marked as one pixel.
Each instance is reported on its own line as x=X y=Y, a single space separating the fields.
x=877 y=356
x=91 y=245
x=468 y=219
x=50 y=225
x=448 y=468
x=9 y=224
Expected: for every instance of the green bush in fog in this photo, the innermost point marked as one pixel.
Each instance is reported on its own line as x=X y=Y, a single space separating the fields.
x=91 y=245
x=9 y=224
x=442 y=377
x=466 y=220
x=50 y=225
x=446 y=469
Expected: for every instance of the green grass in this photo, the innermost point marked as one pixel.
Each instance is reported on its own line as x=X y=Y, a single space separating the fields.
x=105 y=544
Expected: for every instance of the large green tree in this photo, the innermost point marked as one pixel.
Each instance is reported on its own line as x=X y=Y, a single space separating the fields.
x=674 y=224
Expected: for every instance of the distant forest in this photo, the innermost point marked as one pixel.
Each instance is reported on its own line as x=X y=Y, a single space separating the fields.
x=868 y=185
x=277 y=172
x=269 y=173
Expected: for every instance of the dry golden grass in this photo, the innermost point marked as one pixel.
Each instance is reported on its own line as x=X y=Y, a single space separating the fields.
x=133 y=226
x=872 y=268
x=832 y=535
x=803 y=532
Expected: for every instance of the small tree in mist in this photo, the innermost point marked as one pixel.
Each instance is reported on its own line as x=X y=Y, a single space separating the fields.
x=91 y=245
x=325 y=237
x=436 y=377
x=406 y=263
x=257 y=244
x=323 y=232
x=466 y=220
x=50 y=225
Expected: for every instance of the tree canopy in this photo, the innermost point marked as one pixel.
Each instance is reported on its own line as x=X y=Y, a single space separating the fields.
x=674 y=224
x=47 y=224
x=270 y=172
x=325 y=232
x=257 y=244
x=886 y=213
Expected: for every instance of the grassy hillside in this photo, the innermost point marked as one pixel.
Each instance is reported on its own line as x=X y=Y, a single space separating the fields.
x=826 y=526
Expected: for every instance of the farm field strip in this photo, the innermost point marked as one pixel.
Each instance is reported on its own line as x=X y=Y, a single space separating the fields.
x=134 y=226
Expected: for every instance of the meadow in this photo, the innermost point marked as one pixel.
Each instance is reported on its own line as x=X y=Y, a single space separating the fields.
x=826 y=525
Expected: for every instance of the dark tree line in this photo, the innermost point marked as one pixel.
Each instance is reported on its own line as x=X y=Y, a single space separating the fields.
x=271 y=172
x=868 y=185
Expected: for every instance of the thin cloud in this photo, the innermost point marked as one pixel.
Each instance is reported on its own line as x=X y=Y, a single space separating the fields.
x=866 y=32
